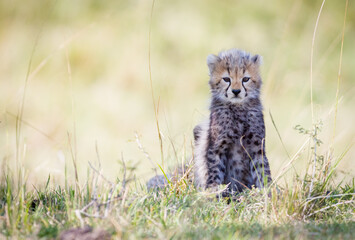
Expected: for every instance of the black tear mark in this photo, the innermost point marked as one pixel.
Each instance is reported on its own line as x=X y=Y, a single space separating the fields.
x=228 y=88
x=246 y=92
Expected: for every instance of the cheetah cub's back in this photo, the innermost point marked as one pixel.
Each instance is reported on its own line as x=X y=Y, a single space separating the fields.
x=230 y=145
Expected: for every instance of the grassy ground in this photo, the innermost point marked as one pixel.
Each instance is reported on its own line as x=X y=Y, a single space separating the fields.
x=78 y=131
x=323 y=211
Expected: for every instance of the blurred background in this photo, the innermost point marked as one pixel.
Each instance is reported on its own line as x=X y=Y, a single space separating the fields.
x=87 y=70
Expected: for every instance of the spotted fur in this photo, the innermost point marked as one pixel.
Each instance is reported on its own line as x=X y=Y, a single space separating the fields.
x=230 y=146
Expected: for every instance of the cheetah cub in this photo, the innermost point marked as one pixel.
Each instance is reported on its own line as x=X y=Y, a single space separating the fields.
x=230 y=146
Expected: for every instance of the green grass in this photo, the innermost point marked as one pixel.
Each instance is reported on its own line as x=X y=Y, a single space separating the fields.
x=181 y=212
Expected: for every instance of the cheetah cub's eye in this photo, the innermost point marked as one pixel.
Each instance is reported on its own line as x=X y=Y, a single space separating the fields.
x=226 y=79
x=245 y=79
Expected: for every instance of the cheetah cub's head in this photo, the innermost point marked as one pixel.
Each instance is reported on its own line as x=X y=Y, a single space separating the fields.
x=234 y=76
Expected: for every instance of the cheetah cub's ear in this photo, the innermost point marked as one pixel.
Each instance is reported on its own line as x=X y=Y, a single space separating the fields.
x=257 y=60
x=212 y=61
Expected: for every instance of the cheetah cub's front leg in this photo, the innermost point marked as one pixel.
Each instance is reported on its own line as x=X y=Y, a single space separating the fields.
x=217 y=157
x=255 y=146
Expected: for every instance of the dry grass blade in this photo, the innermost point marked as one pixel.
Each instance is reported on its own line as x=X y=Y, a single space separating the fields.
x=95 y=200
x=312 y=53
x=339 y=71
x=331 y=206
x=278 y=134
x=100 y=174
x=151 y=87
x=73 y=156
x=330 y=196
x=72 y=143
x=312 y=107
x=286 y=168
x=146 y=154
x=32 y=126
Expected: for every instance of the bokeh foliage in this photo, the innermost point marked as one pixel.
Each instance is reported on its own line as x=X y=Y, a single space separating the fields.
x=105 y=43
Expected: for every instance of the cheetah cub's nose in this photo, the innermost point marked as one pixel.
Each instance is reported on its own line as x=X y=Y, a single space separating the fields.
x=236 y=92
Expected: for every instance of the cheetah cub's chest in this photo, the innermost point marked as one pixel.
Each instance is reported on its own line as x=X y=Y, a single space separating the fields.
x=228 y=120
x=228 y=126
